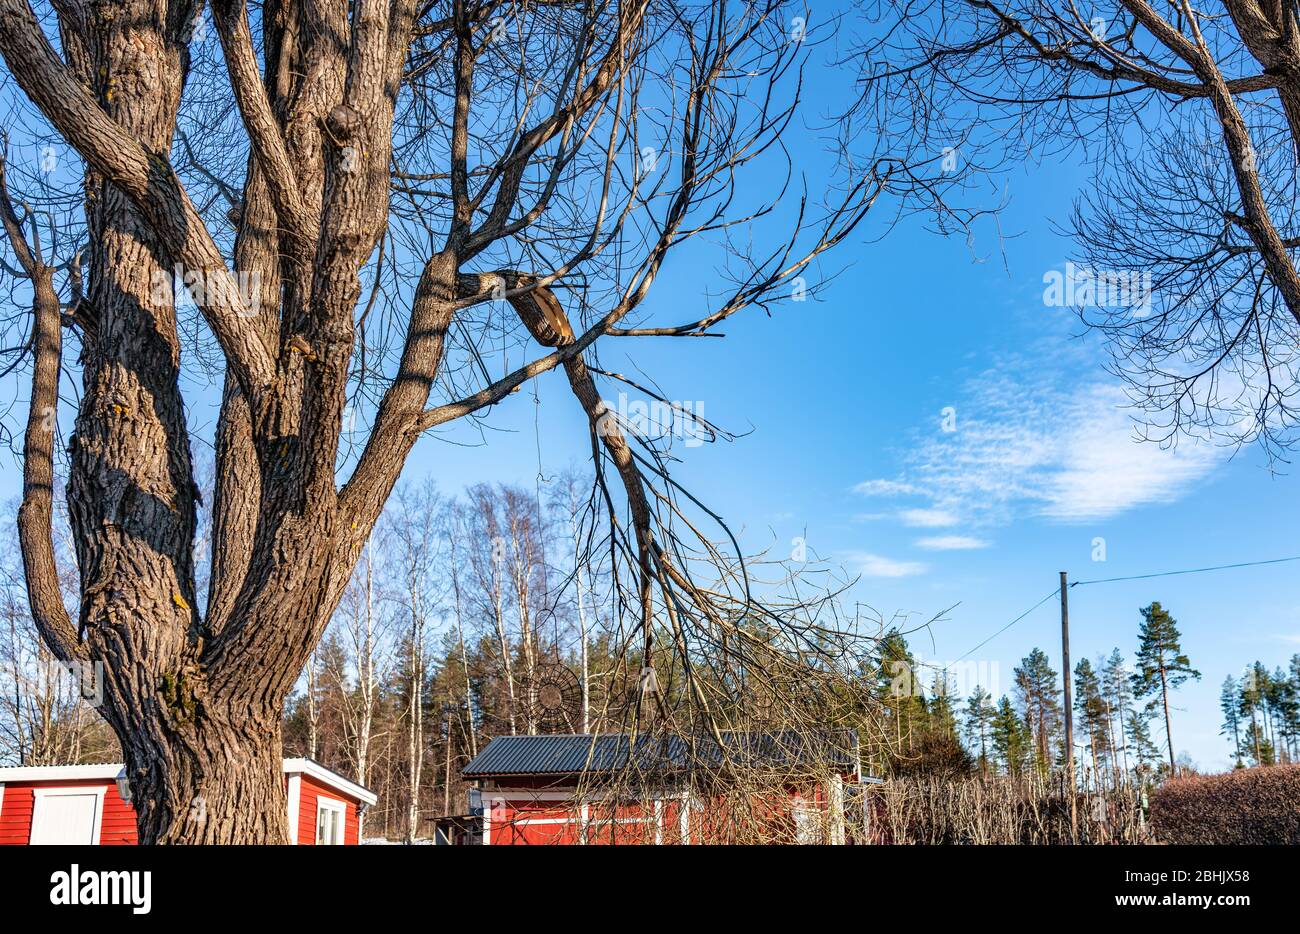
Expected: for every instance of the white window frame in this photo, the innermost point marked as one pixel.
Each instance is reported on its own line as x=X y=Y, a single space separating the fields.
x=324 y=803
x=41 y=794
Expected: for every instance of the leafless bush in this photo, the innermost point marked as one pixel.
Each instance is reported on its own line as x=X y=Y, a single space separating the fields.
x=1001 y=810
x=1253 y=806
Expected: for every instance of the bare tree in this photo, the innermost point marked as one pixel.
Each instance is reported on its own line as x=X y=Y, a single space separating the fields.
x=451 y=530
x=46 y=710
x=417 y=555
x=472 y=149
x=313 y=707
x=487 y=550
x=1187 y=234
x=366 y=630
x=579 y=516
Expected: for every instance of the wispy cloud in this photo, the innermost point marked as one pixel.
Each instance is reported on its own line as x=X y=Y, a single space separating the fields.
x=884 y=488
x=927 y=518
x=952 y=543
x=870 y=565
x=1029 y=439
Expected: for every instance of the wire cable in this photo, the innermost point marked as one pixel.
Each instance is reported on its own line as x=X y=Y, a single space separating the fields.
x=1217 y=567
x=1007 y=626
x=1112 y=580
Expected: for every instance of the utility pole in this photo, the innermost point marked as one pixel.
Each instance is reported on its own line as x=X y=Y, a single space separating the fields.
x=1069 y=705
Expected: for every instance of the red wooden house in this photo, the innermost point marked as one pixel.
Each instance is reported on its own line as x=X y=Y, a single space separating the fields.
x=609 y=789
x=89 y=804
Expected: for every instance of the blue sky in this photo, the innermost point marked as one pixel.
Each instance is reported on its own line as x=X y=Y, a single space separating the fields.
x=842 y=403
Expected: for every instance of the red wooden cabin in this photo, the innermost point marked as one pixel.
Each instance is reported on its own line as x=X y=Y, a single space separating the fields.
x=88 y=804
x=559 y=789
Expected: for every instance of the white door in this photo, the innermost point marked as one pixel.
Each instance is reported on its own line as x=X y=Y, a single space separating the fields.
x=65 y=818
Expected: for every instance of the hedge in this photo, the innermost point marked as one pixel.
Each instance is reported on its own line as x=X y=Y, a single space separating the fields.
x=1252 y=806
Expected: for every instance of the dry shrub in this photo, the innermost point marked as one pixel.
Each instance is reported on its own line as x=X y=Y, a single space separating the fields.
x=1000 y=810
x=1253 y=806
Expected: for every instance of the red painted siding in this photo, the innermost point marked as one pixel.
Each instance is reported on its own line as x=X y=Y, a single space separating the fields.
x=515 y=820
x=119 y=820
x=16 y=815
x=117 y=826
x=310 y=791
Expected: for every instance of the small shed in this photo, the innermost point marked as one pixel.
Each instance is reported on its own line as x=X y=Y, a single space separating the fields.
x=572 y=789
x=85 y=804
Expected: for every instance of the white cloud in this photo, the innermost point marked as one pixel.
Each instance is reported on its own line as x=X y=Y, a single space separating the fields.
x=1103 y=470
x=927 y=518
x=884 y=488
x=1030 y=441
x=952 y=543
x=878 y=566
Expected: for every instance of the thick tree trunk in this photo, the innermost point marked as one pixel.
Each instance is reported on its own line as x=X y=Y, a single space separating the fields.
x=211 y=782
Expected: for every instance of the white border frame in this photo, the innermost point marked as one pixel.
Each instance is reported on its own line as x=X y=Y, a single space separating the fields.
x=324 y=803
x=40 y=794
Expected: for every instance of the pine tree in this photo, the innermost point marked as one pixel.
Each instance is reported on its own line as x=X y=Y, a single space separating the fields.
x=1118 y=690
x=1011 y=738
x=1252 y=698
x=980 y=715
x=1161 y=664
x=1276 y=697
x=942 y=717
x=1091 y=707
x=1139 y=735
x=899 y=689
x=1040 y=703
x=1263 y=751
x=1288 y=712
x=1230 y=704
x=935 y=749
x=1292 y=710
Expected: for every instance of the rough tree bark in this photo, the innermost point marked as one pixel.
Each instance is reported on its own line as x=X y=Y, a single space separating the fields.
x=197 y=701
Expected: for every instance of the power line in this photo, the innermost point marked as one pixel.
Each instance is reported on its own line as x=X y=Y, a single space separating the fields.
x=1112 y=580
x=1217 y=567
x=1008 y=625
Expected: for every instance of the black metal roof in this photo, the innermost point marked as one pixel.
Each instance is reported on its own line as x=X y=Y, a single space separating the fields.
x=574 y=754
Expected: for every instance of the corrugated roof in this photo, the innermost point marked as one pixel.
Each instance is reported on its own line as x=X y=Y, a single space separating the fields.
x=573 y=754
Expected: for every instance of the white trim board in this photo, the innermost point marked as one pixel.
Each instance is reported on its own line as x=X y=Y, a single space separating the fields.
x=60 y=773
x=331 y=778
x=110 y=770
